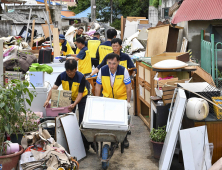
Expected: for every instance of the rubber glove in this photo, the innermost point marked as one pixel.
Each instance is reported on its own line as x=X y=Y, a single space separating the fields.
x=128 y=105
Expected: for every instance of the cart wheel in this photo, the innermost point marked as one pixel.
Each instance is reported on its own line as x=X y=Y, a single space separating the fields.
x=105 y=154
x=122 y=147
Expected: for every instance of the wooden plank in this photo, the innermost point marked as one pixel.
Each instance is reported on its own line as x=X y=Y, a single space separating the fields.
x=203 y=75
x=45 y=29
x=134 y=18
x=144 y=21
x=157 y=40
x=32 y=36
x=122 y=28
x=56 y=42
x=47 y=9
x=214 y=136
x=172 y=40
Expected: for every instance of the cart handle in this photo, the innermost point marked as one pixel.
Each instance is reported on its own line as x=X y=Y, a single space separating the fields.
x=104 y=134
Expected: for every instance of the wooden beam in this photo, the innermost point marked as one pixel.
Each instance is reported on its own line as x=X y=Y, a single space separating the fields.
x=122 y=28
x=56 y=42
x=33 y=30
x=47 y=9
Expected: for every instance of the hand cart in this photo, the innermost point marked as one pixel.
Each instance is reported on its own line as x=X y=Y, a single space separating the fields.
x=102 y=135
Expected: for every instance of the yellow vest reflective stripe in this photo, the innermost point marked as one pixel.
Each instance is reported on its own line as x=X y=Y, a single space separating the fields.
x=93 y=46
x=103 y=51
x=85 y=65
x=75 y=87
x=69 y=49
x=119 y=88
x=80 y=36
x=77 y=50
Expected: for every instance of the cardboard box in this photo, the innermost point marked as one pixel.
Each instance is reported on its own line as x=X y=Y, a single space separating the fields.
x=161 y=83
x=61 y=98
x=37 y=79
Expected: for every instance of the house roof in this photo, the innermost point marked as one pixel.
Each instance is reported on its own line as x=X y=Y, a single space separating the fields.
x=42 y=1
x=67 y=13
x=198 y=10
x=20 y=18
x=84 y=13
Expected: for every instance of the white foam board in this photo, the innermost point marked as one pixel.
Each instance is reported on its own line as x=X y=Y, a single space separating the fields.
x=193 y=141
x=172 y=134
x=105 y=113
x=73 y=135
x=60 y=135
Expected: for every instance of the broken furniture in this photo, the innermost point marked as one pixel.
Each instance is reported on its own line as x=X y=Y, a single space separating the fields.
x=146 y=85
x=159 y=114
x=162 y=39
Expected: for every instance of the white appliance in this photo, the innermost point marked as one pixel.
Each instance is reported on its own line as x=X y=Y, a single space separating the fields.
x=58 y=68
x=197 y=108
x=105 y=113
x=39 y=100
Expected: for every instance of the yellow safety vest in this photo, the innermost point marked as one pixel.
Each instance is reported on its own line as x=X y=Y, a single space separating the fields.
x=84 y=65
x=93 y=46
x=103 y=51
x=77 y=50
x=122 y=63
x=118 y=91
x=75 y=85
x=69 y=49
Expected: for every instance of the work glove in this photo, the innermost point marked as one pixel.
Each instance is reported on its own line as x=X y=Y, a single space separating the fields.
x=128 y=106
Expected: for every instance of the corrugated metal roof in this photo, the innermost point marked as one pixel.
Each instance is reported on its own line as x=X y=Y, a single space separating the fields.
x=198 y=10
x=81 y=14
x=20 y=18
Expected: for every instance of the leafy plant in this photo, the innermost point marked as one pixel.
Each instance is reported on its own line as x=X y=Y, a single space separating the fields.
x=156 y=3
x=126 y=49
x=116 y=24
x=14 y=116
x=158 y=135
x=76 y=21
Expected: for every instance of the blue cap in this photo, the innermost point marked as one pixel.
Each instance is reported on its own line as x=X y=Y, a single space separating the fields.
x=61 y=37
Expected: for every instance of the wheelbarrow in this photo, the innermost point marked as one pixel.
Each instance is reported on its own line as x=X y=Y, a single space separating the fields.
x=102 y=135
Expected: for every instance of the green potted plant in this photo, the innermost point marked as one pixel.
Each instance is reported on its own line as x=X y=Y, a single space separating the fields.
x=15 y=118
x=157 y=137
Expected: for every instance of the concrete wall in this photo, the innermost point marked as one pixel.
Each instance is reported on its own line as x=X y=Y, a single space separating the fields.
x=192 y=31
x=65 y=22
x=6 y=28
x=153 y=15
x=194 y=35
x=182 y=33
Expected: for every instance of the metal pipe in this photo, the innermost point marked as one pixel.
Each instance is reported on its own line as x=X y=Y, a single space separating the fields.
x=1 y=64
x=28 y=24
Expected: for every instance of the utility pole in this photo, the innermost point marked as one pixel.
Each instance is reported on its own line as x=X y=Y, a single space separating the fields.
x=111 y=4
x=93 y=10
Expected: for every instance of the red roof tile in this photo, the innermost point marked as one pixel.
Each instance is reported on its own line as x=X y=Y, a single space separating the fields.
x=198 y=10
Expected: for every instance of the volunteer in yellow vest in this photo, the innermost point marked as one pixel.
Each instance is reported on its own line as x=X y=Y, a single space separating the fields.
x=74 y=81
x=115 y=81
x=77 y=34
x=125 y=60
x=93 y=45
x=83 y=57
x=64 y=45
x=105 y=48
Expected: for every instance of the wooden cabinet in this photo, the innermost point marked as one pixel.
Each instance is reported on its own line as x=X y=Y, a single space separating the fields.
x=145 y=89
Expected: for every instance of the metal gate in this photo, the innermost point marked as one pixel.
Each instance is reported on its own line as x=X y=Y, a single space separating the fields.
x=207 y=55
